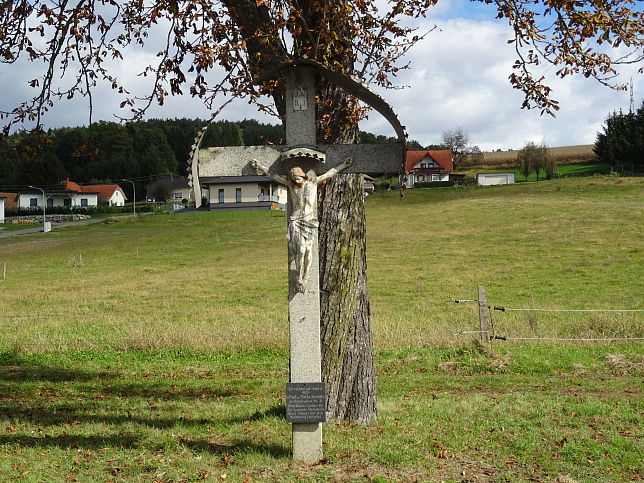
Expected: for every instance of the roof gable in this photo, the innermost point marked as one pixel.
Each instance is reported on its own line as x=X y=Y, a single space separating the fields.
x=105 y=191
x=442 y=157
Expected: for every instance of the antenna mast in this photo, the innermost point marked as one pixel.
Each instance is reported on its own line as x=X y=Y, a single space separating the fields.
x=632 y=104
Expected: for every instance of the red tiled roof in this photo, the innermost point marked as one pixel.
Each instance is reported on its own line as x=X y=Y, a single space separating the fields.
x=71 y=186
x=443 y=157
x=105 y=191
x=10 y=203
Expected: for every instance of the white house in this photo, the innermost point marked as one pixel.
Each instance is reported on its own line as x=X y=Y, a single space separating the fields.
x=490 y=179
x=244 y=193
x=110 y=194
x=427 y=166
x=2 y=202
x=33 y=199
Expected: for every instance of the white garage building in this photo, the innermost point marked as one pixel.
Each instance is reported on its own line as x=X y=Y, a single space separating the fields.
x=490 y=179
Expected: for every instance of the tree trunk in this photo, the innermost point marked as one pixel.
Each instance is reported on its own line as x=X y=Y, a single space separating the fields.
x=348 y=367
x=345 y=326
x=347 y=344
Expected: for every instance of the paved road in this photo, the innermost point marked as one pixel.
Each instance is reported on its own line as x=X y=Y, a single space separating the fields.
x=38 y=229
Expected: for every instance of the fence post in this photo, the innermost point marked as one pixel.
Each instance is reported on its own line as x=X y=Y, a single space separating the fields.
x=485 y=336
x=4 y=271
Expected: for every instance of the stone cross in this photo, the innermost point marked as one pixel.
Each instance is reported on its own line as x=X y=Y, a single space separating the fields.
x=306 y=165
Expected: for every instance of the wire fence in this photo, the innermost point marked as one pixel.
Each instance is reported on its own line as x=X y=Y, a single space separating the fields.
x=487 y=325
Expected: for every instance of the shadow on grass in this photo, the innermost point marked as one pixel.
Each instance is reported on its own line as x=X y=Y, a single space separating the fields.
x=147 y=389
x=152 y=390
x=15 y=373
x=244 y=446
x=60 y=414
x=66 y=441
x=69 y=415
x=274 y=412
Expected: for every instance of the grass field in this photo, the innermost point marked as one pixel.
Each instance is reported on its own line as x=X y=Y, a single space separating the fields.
x=155 y=348
x=563 y=171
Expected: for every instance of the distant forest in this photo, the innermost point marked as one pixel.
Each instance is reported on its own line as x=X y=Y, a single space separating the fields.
x=107 y=151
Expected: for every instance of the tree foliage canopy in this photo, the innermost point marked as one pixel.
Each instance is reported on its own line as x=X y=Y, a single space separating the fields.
x=79 y=41
x=621 y=144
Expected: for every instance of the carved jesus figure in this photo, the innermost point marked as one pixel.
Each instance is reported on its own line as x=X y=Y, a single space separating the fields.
x=303 y=222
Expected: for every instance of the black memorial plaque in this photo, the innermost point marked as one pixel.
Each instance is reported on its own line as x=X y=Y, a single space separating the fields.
x=305 y=402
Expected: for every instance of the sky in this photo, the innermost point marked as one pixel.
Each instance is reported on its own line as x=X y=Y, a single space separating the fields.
x=458 y=78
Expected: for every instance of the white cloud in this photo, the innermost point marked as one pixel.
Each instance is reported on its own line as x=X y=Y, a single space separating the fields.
x=458 y=77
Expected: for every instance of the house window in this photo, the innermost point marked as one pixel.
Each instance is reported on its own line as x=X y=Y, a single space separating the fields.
x=83 y=201
x=50 y=203
x=221 y=195
x=177 y=195
x=238 y=197
x=33 y=201
x=67 y=202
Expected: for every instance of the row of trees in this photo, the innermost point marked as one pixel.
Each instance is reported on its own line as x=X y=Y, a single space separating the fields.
x=536 y=157
x=111 y=151
x=621 y=144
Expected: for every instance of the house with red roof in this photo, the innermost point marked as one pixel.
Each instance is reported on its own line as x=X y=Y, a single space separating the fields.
x=428 y=166
x=110 y=194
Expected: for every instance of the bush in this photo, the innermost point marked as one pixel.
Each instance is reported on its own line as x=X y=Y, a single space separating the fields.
x=435 y=184
x=64 y=210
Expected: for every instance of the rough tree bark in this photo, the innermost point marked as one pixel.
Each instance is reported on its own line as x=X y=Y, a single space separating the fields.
x=347 y=344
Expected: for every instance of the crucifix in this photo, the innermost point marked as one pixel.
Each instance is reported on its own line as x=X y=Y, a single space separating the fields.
x=305 y=165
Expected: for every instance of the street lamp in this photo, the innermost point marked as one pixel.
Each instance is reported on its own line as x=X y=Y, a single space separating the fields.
x=44 y=206
x=133 y=194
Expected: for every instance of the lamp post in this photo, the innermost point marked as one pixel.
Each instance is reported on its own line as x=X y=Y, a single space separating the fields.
x=44 y=208
x=133 y=194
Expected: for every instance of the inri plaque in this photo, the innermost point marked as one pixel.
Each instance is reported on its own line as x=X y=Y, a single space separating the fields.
x=305 y=402
x=300 y=102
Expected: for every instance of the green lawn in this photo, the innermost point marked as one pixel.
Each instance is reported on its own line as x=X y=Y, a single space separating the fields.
x=11 y=227
x=156 y=348
x=563 y=171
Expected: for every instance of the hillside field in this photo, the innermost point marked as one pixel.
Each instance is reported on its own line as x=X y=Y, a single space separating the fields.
x=155 y=349
x=582 y=153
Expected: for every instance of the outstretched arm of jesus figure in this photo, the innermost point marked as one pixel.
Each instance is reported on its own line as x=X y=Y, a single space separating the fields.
x=333 y=171
x=257 y=166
